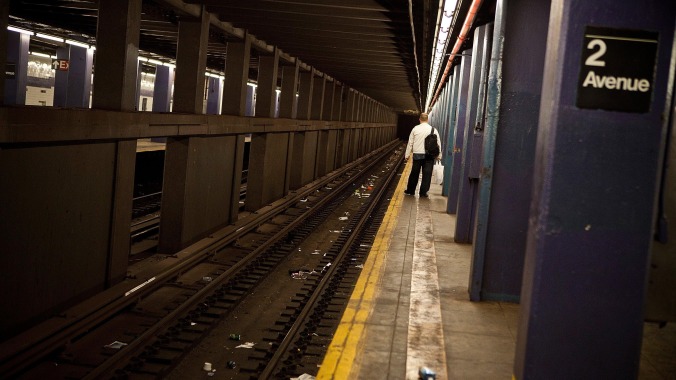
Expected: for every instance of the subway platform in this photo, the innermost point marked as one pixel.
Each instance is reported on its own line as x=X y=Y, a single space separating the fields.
x=411 y=308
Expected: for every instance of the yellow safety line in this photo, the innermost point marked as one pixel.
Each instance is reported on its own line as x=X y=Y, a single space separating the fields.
x=346 y=343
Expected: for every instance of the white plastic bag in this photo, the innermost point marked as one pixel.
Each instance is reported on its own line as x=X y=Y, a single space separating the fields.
x=438 y=173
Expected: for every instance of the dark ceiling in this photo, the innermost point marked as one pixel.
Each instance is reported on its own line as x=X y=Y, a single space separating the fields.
x=366 y=44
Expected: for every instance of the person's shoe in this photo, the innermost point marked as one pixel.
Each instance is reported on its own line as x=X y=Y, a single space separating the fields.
x=424 y=196
x=407 y=193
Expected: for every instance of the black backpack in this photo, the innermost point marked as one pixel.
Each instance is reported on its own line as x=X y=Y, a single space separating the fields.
x=431 y=147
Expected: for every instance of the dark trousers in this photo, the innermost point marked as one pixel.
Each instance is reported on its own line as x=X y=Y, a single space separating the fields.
x=426 y=166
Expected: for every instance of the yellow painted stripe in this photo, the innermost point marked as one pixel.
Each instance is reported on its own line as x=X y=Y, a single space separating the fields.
x=346 y=344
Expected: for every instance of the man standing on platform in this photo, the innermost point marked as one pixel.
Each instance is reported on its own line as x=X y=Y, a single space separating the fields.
x=416 y=147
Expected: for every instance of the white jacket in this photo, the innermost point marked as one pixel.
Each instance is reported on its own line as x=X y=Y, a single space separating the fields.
x=416 y=140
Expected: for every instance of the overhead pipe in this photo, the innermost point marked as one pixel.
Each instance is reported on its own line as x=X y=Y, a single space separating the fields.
x=415 y=50
x=469 y=20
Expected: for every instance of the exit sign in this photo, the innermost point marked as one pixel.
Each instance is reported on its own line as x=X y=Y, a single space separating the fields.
x=60 y=64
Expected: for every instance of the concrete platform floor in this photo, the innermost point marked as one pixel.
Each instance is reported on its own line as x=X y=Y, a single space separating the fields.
x=383 y=337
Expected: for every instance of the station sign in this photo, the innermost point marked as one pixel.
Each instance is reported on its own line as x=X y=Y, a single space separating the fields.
x=60 y=64
x=617 y=71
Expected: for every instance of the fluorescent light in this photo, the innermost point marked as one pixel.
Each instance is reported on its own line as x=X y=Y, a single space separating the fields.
x=48 y=37
x=169 y=65
x=43 y=55
x=154 y=61
x=441 y=45
x=19 y=30
x=143 y=59
x=77 y=43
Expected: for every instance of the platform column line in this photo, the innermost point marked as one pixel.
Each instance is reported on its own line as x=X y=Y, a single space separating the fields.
x=347 y=344
x=425 y=346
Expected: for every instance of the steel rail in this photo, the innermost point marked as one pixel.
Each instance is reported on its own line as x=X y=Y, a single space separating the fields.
x=150 y=334
x=310 y=305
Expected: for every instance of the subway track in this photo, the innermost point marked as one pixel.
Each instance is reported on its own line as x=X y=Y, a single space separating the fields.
x=150 y=329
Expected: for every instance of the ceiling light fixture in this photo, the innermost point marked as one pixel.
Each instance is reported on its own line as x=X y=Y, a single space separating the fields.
x=19 y=30
x=48 y=37
x=77 y=43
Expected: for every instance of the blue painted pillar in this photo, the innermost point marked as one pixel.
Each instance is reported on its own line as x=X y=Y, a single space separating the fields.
x=17 y=68
x=213 y=95
x=470 y=166
x=598 y=156
x=61 y=79
x=164 y=81
x=79 y=77
x=459 y=140
x=513 y=106
x=446 y=111
x=454 y=82
x=440 y=116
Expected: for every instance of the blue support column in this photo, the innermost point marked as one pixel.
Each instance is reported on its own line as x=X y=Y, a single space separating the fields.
x=213 y=96
x=513 y=107
x=61 y=79
x=439 y=121
x=470 y=167
x=79 y=77
x=446 y=126
x=598 y=157
x=452 y=130
x=459 y=140
x=164 y=81
x=443 y=120
x=17 y=68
